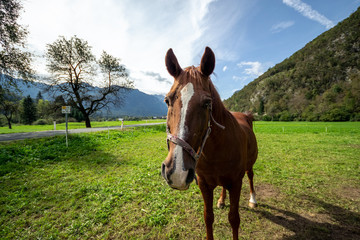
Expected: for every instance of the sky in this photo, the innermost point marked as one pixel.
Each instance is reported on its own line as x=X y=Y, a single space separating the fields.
x=247 y=36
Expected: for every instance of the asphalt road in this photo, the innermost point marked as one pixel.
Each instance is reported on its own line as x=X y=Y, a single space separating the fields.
x=22 y=136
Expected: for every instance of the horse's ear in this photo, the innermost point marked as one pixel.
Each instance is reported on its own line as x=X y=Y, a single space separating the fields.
x=172 y=64
x=207 y=64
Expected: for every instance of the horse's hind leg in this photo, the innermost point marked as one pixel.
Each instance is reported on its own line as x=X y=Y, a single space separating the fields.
x=252 y=201
x=221 y=201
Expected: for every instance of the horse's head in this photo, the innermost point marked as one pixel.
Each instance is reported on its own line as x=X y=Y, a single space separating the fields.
x=189 y=107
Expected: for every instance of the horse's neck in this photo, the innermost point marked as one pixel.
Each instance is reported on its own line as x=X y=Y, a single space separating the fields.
x=220 y=115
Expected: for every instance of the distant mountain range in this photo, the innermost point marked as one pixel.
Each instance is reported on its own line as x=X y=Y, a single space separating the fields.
x=319 y=82
x=136 y=103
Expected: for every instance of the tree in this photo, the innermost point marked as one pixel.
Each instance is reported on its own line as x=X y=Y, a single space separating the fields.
x=14 y=62
x=8 y=109
x=74 y=69
x=261 y=106
x=29 y=111
x=8 y=106
x=43 y=108
x=39 y=97
x=55 y=107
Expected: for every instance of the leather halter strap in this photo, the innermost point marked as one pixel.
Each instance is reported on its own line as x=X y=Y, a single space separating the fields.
x=190 y=150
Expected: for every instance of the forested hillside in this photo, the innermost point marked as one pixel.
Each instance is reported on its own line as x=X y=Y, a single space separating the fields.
x=319 y=82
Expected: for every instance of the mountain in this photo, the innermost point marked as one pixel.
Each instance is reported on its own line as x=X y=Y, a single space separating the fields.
x=319 y=82
x=136 y=103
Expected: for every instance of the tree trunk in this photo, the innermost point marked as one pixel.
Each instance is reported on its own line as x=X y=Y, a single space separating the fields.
x=9 y=123
x=87 y=121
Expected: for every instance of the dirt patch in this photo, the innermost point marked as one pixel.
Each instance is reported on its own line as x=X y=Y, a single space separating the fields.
x=357 y=146
x=317 y=217
x=349 y=192
x=264 y=191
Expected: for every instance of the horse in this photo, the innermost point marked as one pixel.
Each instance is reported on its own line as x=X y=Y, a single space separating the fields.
x=206 y=142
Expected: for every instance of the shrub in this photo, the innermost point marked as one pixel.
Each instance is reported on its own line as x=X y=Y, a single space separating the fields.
x=71 y=119
x=336 y=114
x=355 y=117
x=285 y=116
x=266 y=118
x=60 y=120
x=41 y=122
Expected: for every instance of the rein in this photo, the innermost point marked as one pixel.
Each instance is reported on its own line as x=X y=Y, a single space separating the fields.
x=190 y=150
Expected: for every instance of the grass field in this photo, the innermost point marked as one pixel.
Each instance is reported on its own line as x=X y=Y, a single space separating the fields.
x=307 y=179
x=71 y=125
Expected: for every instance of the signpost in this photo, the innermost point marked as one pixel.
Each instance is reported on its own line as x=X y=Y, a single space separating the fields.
x=66 y=110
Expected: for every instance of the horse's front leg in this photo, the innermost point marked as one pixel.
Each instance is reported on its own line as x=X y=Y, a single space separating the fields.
x=234 y=217
x=208 y=196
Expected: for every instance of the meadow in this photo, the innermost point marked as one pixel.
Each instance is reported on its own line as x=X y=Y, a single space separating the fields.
x=307 y=179
x=18 y=128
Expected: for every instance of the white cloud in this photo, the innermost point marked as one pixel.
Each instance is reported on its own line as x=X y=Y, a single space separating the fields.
x=224 y=68
x=238 y=78
x=139 y=32
x=252 y=68
x=281 y=26
x=307 y=11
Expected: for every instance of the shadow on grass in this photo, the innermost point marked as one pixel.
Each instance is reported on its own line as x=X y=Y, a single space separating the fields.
x=334 y=223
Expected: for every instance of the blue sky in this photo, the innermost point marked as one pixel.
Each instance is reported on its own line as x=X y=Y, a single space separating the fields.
x=247 y=36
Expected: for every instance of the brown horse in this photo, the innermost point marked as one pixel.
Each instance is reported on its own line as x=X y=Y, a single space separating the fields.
x=219 y=158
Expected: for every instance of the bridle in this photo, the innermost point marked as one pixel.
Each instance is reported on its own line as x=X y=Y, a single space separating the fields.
x=187 y=147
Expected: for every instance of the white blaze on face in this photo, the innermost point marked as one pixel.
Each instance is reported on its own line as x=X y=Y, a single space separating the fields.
x=178 y=178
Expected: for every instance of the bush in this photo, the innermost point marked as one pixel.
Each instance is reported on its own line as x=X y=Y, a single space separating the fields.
x=336 y=114
x=355 y=117
x=285 y=116
x=41 y=122
x=60 y=120
x=312 y=117
x=71 y=119
x=2 y=121
x=266 y=118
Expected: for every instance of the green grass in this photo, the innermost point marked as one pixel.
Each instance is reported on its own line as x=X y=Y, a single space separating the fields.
x=307 y=182
x=17 y=128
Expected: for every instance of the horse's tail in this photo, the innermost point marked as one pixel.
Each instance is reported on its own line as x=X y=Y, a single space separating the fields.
x=249 y=118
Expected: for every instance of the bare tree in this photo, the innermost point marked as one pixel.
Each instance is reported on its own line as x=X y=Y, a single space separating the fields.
x=74 y=74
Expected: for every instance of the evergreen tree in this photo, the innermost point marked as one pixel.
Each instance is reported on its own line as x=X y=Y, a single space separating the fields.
x=39 y=96
x=29 y=111
x=261 y=107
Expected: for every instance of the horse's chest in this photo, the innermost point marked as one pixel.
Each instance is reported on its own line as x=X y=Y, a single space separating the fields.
x=222 y=173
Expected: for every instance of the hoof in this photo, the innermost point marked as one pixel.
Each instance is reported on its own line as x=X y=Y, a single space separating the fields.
x=252 y=205
x=220 y=205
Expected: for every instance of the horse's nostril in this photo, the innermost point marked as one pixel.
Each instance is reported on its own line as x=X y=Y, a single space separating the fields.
x=163 y=170
x=190 y=177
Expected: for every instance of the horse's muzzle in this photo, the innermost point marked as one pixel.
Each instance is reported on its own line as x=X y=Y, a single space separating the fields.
x=175 y=180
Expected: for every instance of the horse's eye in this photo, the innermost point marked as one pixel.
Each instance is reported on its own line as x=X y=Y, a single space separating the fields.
x=166 y=100
x=207 y=103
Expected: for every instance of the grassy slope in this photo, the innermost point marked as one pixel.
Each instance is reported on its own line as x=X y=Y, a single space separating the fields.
x=307 y=184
